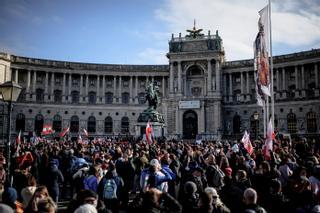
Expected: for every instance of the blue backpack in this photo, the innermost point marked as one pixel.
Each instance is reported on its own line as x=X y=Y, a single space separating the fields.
x=110 y=189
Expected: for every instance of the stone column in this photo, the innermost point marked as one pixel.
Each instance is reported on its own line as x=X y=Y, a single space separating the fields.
x=247 y=86
x=69 y=88
x=284 y=89
x=136 y=90
x=103 y=89
x=80 y=88
x=177 y=119
x=52 y=87
x=17 y=76
x=98 y=89
x=296 y=81
x=28 y=82
x=131 y=99
x=152 y=78
x=230 y=87
x=179 y=78
x=34 y=85
x=209 y=82
x=46 y=87
x=278 y=80
x=114 y=89
x=120 y=89
x=218 y=76
x=64 y=88
x=171 y=76
x=303 y=83
x=163 y=87
x=87 y=89
x=316 y=75
x=202 y=120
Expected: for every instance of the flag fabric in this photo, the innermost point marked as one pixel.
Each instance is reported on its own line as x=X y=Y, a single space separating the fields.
x=80 y=139
x=247 y=143
x=268 y=145
x=47 y=129
x=85 y=132
x=64 y=132
x=18 y=139
x=261 y=57
x=149 y=132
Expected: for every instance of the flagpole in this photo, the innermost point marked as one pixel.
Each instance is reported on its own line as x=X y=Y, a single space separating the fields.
x=271 y=66
x=264 y=118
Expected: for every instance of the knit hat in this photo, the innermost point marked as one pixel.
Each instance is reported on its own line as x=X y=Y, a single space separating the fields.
x=154 y=162
x=9 y=195
x=228 y=171
x=86 y=208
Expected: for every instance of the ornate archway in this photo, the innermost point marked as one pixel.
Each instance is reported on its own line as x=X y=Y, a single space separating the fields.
x=190 y=124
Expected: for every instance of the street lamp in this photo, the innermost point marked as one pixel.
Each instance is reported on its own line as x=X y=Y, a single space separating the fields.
x=9 y=92
x=256 y=121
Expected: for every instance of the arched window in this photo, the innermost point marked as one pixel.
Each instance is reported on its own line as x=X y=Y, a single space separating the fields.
x=75 y=97
x=20 y=122
x=74 y=124
x=57 y=123
x=125 y=98
x=125 y=125
x=38 y=124
x=236 y=124
x=92 y=97
x=292 y=122
x=142 y=98
x=57 y=96
x=108 y=125
x=91 y=124
x=311 y=122
x=109 y=98
x=40 y=95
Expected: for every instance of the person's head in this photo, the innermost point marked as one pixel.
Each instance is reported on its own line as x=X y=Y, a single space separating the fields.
x=5 y=208
x=250 y=196
x=190 y=187
x=155 y=164
x=214 y=195
x=211 y=159
x=41 y=192
x=46 y=205
x=10 y=196
x=87 y=197
x=86 y=208
x=275 y=186
x=152 y=197
x=205 y=201
x=241 y=174
x=32 y=181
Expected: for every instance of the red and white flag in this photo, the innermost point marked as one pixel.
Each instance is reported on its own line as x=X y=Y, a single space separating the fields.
x=18 y=139
x=247 y=143
x=149 y=133
x=85 y=132
x=47 y=129
x=261 y=57
x=268 y=145
x=64 y=132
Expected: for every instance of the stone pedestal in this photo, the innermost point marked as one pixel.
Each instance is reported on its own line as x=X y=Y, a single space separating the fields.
x=157 y=122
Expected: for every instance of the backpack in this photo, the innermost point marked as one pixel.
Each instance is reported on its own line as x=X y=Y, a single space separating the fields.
x=110 y=189
x=215 y=176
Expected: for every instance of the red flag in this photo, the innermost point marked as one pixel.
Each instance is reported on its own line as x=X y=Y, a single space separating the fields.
x=268 y=143
x=47 y=129
x=149 y=133
x=261 y=57
x=247 y=143
x=18 y=140
x=85 y=132
x=64 y=132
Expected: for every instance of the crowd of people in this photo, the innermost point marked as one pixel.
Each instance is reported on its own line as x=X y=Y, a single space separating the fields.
x=167 y=176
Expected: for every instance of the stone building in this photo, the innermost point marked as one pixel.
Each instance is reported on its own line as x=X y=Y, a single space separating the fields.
x=202 y=94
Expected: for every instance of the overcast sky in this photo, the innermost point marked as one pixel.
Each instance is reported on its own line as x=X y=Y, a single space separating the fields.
x=138 y=31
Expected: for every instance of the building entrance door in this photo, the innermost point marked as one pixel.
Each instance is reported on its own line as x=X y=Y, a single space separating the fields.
x=190 y=124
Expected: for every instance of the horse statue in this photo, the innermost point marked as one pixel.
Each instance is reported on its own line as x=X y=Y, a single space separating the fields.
x=152 y=96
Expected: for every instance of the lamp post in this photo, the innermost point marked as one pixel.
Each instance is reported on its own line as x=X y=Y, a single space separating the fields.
x=256 y=121
x=10 y=92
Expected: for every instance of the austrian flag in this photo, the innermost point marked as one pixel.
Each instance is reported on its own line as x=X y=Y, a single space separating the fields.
x=149 y=133
x=47 y=129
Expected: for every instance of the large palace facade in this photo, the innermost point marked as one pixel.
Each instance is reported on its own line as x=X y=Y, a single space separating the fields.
x=201 y=93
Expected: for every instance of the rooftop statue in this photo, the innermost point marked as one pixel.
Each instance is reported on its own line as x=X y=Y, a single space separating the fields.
x=194 y=33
